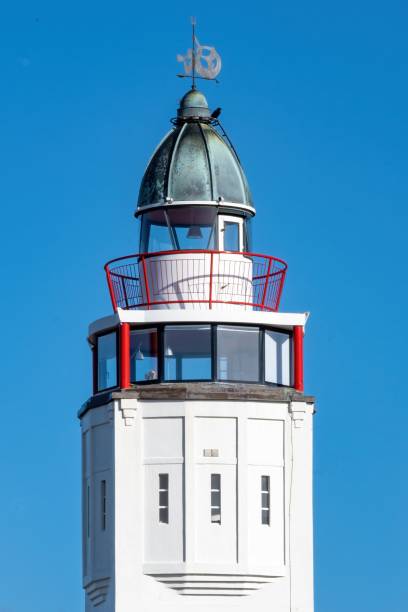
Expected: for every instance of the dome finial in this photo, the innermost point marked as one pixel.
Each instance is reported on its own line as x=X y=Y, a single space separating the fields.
x=200 y=62
x=193 y=105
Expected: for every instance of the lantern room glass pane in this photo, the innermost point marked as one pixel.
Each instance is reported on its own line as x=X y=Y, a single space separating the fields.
x=238 y=353
x=278 y=358
x=193 y=227
x=187 y=352
x=143 y=355
x=107 y=361
x=154 y=233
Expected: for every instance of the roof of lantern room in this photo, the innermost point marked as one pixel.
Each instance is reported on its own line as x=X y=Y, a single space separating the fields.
x=194 y=163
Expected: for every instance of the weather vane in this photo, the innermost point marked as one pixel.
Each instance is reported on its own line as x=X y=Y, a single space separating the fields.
x=200 y=62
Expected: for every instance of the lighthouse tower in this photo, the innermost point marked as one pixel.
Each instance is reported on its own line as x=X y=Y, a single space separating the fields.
x=197 y=439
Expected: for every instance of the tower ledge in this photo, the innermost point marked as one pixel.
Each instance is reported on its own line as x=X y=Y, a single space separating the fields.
x=209 y=391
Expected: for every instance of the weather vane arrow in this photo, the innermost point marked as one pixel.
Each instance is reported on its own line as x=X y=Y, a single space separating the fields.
x=201 y=61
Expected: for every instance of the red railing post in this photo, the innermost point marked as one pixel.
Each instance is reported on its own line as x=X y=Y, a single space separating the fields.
x=211 y=279
x=298 y=358
x=146 y=282
x=281 y=283
x=111 y=291
x=266 y=282
x=125 y=356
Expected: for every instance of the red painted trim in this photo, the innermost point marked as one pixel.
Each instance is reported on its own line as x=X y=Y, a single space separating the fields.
x=125 y=356
x=298 y=357
x=111 y=290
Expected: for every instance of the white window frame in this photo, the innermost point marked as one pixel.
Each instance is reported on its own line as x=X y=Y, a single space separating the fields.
x=222 y=219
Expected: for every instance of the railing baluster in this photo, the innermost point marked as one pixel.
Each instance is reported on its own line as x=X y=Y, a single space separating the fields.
x=111 y=290
x=266 y=282
x=124 y=292
x=211 y=279
x=146 y=282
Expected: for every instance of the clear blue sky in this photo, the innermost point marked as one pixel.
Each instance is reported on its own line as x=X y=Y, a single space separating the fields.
x=315 y=98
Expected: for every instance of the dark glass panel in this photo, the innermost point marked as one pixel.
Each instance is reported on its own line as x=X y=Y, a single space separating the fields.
x=265 y=483
x=265 y=517
x=163 y=515
x=231 y=236
x=154 y=233
x=238 y=353
x=143 y=355
x=163 y=481
x=187 y=352
x=193 y=226
x=107 y=361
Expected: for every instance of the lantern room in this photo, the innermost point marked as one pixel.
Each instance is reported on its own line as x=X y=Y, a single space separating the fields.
x=194 y=194
x=195 y=211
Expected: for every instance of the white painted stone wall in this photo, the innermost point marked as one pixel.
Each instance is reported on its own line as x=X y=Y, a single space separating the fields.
x=191 y=563
x=187 y=277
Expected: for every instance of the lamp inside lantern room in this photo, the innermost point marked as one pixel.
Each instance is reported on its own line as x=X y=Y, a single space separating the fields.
x=194 y=231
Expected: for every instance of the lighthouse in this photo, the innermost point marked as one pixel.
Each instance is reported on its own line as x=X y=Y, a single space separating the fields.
x=197 y=439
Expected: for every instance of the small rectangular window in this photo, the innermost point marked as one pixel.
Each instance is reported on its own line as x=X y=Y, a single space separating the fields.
x=163 y=498
x=103 y=505
x=107 y=361
x=231 y=236
x=216 y=498
x=265 y=500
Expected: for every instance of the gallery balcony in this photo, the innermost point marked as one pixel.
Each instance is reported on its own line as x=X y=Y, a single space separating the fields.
x=196 y=279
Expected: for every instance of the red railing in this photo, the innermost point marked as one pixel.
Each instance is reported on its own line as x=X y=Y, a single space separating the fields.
x=206 y=278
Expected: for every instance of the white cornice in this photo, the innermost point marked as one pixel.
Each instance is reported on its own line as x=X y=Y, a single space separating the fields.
x=285 y=320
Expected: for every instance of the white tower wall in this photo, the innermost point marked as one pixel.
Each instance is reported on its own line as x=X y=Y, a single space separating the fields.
x=191 y=563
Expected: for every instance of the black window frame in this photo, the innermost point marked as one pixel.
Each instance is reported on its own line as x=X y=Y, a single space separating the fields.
x=160 y=328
